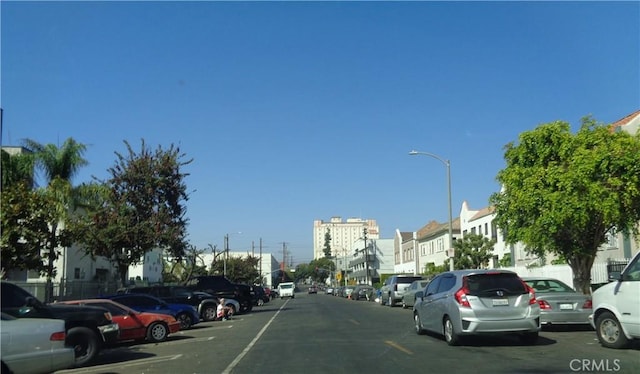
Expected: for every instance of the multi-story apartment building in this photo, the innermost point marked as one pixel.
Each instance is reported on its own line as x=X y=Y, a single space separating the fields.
x=343 y=234
x=370 y=259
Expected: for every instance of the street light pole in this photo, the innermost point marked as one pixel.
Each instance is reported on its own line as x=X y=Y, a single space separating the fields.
x=447 y=163
x=226 y=253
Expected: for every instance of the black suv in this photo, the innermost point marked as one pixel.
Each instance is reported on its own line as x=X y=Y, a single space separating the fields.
x=88 y=328
x=204 y=302
x=219 y=286
x=394 y=288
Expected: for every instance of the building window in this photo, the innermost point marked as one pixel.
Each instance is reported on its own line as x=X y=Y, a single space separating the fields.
x=76 y=273
x=612 y=240
x=486 y=229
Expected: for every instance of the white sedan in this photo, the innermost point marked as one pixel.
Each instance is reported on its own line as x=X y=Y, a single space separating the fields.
x=34 y=345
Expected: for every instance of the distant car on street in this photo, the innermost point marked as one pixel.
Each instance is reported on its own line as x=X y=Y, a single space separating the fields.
x=559 y=303
x=286 y=289
x=394 y=288
x=409 y=297
x=313 y=289
x=362 y=292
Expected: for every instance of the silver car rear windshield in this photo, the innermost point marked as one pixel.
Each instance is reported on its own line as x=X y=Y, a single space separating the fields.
x=489 y=283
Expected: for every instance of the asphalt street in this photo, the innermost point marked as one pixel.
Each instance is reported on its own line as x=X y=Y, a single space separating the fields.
x=320 y=333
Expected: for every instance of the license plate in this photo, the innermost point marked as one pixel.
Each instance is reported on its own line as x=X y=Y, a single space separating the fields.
x=500 y=302
x=566 y=306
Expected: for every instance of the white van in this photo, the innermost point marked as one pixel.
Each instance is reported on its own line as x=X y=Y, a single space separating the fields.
x=286 y=289
x=616 y=308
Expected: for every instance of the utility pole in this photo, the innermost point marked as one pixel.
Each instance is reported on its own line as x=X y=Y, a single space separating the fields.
x=284 y=258
x=260 y=265
x=366 y=255
x=226 y=252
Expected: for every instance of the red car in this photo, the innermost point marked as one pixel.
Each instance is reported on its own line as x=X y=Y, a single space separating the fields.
x=134 y=325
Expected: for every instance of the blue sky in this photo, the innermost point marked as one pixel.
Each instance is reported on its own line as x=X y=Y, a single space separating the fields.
x=296 y=111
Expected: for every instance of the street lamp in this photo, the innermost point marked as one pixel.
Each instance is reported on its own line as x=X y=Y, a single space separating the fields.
x=446 y=163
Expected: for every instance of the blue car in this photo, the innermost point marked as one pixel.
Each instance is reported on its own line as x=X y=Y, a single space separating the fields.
x=186 y=314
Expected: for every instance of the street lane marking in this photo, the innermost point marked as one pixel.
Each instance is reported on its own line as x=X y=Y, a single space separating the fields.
x=354 y=321
x=246 y=350
x=398 y=347
x=101 y=368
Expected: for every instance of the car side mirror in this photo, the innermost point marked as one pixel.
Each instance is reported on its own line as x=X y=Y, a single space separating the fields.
x=615 y=276
x=419 y=295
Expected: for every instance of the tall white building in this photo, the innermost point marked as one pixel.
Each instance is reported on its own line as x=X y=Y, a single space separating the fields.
x=343 y=234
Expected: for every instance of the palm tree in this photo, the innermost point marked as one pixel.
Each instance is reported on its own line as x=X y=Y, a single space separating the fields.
x=59 y=165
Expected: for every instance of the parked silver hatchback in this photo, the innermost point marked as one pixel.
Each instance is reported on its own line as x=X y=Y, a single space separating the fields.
x=473 y=302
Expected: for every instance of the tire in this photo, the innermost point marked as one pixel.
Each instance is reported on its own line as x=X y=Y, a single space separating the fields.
x=185 y=320
x=157 y=332
x=390 y=302
x=418 y=324
x=530 y=338
x=449 y=332
x=609 y=331
x=4 y=369
x=209 y=313
x=85 y=344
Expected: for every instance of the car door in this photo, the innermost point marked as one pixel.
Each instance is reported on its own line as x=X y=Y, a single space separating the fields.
x=426 y=308
x=130 y=325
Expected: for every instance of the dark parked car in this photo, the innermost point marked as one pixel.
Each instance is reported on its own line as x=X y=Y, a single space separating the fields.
x=88 y=329
x=362 y=292
x=260 y=295
x=186 y=314
x=205 y=303
x=219 y=286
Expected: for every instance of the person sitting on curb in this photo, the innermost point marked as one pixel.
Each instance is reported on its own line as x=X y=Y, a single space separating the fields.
x=223 y=312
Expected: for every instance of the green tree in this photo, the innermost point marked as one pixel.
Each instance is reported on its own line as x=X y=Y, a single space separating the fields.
x=142 y=210
x=190 y=266
x=26 y=215
x=431 y=269
x=320 y=269
x=505 y=261
x=563 y=192
x=327 y=244
x=59 y=166
x=18 y=168
x=473 y=251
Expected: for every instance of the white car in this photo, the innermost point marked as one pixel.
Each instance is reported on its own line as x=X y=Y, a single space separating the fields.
x=616 y=308
x=286 y=289
x=34 y=345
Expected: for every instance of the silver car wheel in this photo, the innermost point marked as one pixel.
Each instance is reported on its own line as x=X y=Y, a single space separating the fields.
x=449 y=332
x=157 y=332
x=418 y=324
